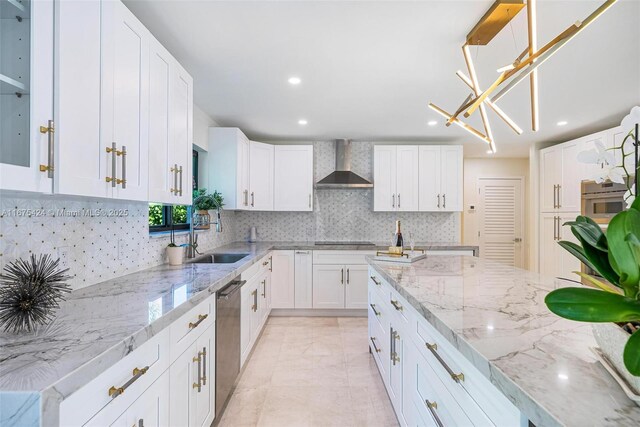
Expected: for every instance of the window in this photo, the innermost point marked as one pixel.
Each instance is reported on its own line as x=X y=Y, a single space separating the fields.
x=161 y=216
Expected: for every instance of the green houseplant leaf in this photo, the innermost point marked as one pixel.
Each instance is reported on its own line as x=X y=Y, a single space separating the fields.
x=631 y=355
x=591 y=305
x=584 y=228
x=599 y=260
x=622 y=253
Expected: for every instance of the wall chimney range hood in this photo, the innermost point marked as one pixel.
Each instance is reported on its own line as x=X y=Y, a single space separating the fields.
x=342 y=177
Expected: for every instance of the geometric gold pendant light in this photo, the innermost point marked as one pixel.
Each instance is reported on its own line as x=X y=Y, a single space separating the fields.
x=525 y=65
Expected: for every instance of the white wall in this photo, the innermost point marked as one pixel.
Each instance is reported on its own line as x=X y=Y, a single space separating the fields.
x=492 y=168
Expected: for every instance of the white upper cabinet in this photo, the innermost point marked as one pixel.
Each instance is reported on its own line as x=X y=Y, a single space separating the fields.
x=229 y=167
x=26 y=96
x=80 y=157
x=293 y=178
x=181 y=131
x=406 y=177
x=441 y=178
x=560 y=177
x=125 y=102
x=384 y=178
x=260 y=176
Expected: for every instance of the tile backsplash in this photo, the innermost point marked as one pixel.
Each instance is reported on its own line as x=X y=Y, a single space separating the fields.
x=99 y=240
x=347 y=214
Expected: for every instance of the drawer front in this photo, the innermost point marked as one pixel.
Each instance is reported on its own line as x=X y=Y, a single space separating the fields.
x=258 y=268
x=400 y=310
x=118 y=387
x=378 y=308
x=190 y=326
x=377 y=283
x=341 y=257
x=435 y=402
x=475 y=394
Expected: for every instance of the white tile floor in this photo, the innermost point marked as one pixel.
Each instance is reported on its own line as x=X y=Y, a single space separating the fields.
x=311 y=371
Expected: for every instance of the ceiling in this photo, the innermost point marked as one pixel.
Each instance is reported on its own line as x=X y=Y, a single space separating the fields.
x=369 y=68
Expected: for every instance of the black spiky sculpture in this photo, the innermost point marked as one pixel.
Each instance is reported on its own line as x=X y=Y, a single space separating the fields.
x=30 y=291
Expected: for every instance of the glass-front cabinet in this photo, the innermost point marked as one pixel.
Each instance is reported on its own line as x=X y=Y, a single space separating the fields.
x=26 y=92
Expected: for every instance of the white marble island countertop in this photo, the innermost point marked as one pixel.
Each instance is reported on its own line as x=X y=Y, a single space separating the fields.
x=496 y=317
x=97 y=326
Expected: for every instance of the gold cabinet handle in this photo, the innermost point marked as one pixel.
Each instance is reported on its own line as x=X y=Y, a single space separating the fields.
x=117 y=391
x=252 y=199
x=264 y=289
x=270 y=263
x=201 y=318
x=444 y=201
x=348 y=276
x=433 y=348
x=198 y=385
x=432 y=406
x=438 y=201
x=375 y=347
x=246 y=197
x=123 y=153
x=373 y=307
x=393 y=355
x=396 y=305
x=254 y=307
x=50 y=129
x=203 y=353
x=375 y=280
x=175 y=179
x=179 y=190
x=113 y=151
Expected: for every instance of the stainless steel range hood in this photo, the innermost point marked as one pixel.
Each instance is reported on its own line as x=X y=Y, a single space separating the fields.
x=342 y=177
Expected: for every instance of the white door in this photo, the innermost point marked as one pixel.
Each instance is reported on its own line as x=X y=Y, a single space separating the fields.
x=205 y=393
x=430 y=198
x=407 y=178
x=151 y=409
x=125 y=101
x=549 y=263
x=328 y=286
x=451 y=178
x=181 y=119
x=160 y=174
x=569 y=192
x=303 y=279
x=550 y=165
x=80 y=160
x=384 y=178
x=501 y=210
x=293 y=178
x=27 y=69
x=183 y=373
x=356 y=289
x=261 y=176
x=282 y=280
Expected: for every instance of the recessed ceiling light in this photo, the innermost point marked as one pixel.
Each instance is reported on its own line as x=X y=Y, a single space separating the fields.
x=432 y=122
x=294 y=80
x=302 y=122
x=563 y=376
x=562 y=123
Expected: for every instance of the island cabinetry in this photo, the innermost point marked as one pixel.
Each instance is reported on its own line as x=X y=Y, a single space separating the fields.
x=428 y=380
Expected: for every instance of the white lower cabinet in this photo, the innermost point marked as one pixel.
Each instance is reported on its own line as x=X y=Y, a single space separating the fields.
x=554 y=260
x=283 y=279
x=340 y=286
x=428 y=381
x=255 y=305
x=303 y=279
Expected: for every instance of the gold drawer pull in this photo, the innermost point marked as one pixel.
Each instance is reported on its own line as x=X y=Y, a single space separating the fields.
x=137 y=373
x=373 y=341
x=396 y=305
x=373 y=307
x=433 y=348
x=375 y=280
x=432 y=406
x=201 y=317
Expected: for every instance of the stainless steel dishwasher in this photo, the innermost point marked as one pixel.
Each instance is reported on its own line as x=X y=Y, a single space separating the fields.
x=227 y=342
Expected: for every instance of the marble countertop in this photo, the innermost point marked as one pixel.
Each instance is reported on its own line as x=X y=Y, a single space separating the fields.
x=496 y=317
x=96 y=326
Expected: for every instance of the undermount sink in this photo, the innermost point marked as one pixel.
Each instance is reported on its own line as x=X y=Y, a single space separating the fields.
x=218 y=258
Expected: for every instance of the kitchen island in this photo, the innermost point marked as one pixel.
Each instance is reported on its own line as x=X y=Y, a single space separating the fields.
x=493 y=319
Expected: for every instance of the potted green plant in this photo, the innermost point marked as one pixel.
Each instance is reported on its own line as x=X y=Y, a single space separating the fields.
x=175 y=252
x=612 y=304
x=202 y=204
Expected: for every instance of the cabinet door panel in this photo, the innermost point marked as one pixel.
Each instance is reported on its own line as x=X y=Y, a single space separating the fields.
x=328 y=286
x=384 y=178
x=246 y=313
x=407 y=179
x=152 y=408
x=293 y=178
x=356 y=290
x=160 y=175
x=451 y=178
x=567 y=263
x=569 y=192
x=548 y=243
x=126 y=100
x=550 y=164
x=242 y=164
x=183 y=374
x=181 y=98
x=81 y=161
x=589 y=171
x=283 y=280
x=303 y=279
x=205 y=397
x=430 y=198
x=261 y=176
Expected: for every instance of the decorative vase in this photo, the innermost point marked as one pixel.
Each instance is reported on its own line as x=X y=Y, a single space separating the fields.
x=611 y=339
x=175 y=254
x=201 y=219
